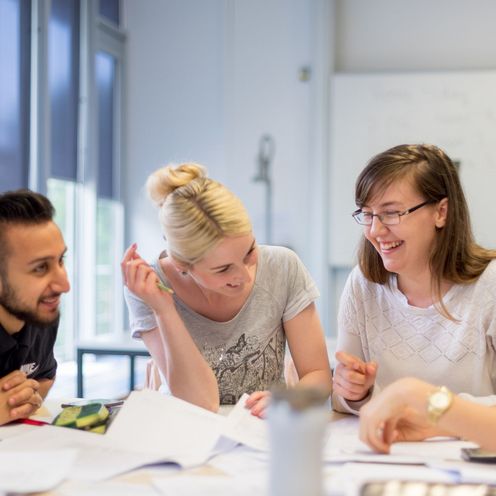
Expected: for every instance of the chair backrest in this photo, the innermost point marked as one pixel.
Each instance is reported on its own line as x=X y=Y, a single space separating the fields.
x=152 y=376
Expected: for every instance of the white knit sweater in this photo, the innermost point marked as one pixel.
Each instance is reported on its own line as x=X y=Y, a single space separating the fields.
x=377 y=323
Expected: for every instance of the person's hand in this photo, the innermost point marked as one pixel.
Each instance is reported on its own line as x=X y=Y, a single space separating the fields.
x=353 y=377
x=258 y=402
x=414 y=426
x=12 y=380
x=379 y=418
x=394 y=416
x=142 y=280
x=19 y=397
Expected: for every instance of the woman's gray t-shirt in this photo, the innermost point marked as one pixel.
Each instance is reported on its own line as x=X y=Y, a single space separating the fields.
x=246 y=353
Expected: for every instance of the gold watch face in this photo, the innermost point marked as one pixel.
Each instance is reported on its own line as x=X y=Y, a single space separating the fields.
x=440 y=400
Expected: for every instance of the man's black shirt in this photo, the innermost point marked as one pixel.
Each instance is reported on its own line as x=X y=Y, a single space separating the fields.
x=29 y=350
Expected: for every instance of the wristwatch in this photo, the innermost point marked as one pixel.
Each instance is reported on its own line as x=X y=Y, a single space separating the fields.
x=438 y=403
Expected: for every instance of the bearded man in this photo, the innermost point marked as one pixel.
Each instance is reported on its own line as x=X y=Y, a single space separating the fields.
x=32 y=280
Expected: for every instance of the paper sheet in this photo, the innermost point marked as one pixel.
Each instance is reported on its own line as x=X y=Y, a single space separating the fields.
x=97 y=459
x=344 y=445
x=241 y=460
x=50 y=408
x=12 y=430
x=187 y=485
x=351 y=476
x=432 y=449
x=106 y=488
x=34 y=471
x=243 y=427
x=482 y=473
x=177 y=431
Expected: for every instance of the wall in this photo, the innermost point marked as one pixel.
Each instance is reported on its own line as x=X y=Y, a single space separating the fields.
x=270 y=43
x=266 y=96
x=174 y=102
x=420 y=35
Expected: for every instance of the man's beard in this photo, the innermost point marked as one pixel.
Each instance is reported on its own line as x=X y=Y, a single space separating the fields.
x=10 y=301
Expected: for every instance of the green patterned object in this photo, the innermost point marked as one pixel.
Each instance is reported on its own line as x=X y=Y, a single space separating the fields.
x=82 y=417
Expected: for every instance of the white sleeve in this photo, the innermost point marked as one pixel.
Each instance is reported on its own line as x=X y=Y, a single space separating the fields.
x=141 y=316
x=480 y=400
x=351 y=322
x=487 y=313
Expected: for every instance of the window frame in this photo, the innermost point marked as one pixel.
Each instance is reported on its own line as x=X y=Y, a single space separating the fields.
x=98 y=35
x=94 y=35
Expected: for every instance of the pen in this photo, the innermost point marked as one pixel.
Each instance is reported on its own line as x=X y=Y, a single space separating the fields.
x=163 y=287
x=31 y=421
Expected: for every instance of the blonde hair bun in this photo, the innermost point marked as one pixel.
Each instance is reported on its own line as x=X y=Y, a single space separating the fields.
x=195 y=211
x=166 y=180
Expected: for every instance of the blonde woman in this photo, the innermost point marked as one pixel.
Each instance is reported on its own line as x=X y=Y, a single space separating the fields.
x=223 y=330
x=422 y=301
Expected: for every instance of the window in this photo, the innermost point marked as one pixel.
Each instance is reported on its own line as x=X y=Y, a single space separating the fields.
x=63 y=98
x=63 y=84
x=108 y=301
x=61 y=66
x=63 y=194
x=109 y=211
x=14 y=93
x=110 y=10
x=66 y=143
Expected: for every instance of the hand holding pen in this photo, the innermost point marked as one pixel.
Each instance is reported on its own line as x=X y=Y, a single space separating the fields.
x=163 y=287
x=142 y=280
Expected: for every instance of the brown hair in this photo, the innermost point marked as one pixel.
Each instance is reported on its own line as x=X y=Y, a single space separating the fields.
x=456 y=257
x=21 y=207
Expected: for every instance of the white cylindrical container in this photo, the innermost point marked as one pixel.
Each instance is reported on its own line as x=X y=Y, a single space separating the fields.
x=297 y=423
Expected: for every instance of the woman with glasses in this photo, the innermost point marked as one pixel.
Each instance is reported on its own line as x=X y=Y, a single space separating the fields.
x=215 y=311
x=422 y=300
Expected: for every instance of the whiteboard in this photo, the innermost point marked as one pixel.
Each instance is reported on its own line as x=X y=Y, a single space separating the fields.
x=372 y=112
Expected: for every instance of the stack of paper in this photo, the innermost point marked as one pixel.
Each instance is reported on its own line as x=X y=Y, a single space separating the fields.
x=150 y=428
x=34 y=471
x=154 y=428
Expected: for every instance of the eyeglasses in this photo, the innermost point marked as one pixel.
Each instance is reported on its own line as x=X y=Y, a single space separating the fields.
x=386 y=218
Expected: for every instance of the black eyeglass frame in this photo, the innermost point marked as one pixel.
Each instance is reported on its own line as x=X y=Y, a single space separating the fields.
x=359 y=211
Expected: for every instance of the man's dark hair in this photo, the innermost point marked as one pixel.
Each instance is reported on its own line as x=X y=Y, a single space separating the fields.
x=21 y=207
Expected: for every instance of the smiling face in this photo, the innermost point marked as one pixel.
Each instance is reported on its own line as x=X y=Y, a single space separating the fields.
x=229 y=267
x=405 y=248
x=34 y=277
